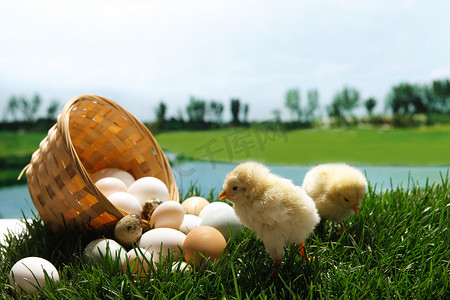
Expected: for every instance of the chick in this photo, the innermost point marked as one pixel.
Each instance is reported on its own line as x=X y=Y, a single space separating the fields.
x=337 y=189
x=278 y=211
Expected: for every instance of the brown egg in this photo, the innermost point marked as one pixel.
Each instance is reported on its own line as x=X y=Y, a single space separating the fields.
x=205 y=240
x=194 y=205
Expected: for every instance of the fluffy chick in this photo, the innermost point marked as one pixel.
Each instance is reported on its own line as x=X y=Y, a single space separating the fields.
x=278 y=211
x=337 y=189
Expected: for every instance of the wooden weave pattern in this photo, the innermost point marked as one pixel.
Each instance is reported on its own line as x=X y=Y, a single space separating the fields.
x=91 y=133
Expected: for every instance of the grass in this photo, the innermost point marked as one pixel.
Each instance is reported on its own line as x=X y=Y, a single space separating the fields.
x=15 y=153
x=397 y=247
x=412 y=146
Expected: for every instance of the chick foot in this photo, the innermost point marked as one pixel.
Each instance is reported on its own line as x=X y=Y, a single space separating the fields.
x=344 y=229
x=303 y=253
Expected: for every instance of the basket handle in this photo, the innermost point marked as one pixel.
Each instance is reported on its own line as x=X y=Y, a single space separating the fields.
x=23 y=171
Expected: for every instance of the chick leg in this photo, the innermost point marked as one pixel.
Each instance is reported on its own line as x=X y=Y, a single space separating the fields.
x=302 y=253
x=275 y=268
x=342 y=228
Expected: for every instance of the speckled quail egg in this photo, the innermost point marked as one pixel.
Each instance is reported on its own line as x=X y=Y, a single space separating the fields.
x=128 y=230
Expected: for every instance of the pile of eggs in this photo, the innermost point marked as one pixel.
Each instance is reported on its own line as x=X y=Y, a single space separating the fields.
x=126 y=193
x=195 y=230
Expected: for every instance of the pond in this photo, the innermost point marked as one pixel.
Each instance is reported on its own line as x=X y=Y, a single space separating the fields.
x=210 y=176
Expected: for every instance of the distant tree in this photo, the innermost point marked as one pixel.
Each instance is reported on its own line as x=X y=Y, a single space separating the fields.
x=161 y=112
x=246 y=108
x=313 y=104
x=370 y=105
x=196 y=110
x=334 y=110
x=12 y=108
x=216 y=109
x=26 y=108
x=344 y=102
x=52 y=110
x=406 y=99
x=292 y=102
x=235 y=108
x=441 y=92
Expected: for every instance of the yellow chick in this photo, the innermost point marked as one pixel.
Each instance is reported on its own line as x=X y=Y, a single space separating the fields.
x=337 y=189
x=278 y=211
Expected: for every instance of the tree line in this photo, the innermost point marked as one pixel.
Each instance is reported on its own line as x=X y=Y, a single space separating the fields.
x=406 y=104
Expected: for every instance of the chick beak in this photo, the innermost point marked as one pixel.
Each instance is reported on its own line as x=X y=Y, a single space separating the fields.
x=356 y=209
x=224 y=196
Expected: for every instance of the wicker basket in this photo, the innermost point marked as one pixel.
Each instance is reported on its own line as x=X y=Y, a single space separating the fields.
x=92 y=133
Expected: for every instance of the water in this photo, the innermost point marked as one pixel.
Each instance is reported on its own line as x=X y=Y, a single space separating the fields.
x=209 y=176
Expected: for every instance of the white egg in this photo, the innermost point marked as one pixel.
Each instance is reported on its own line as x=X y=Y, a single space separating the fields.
x=168 y=214
x=110 y=185
x=194 y=205
x=215 y=206
x=189 y=223
x=101 y=248
x=161 y=241
x=126 y=177
x=126 y=202
x=31 y=271
x=224 y=221
x=147 y=188
x=181 y=266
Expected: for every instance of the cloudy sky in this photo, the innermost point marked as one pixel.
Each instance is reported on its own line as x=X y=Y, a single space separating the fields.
x=138 y=53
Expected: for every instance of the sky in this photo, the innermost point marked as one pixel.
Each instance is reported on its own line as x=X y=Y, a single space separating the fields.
x=139 y=53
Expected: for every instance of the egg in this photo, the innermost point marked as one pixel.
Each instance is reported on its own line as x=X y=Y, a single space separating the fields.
x=126 y=202
x=181 y=266
x=203 y=240
x=168 y=214
x=149 y=207
x=138 y=260
x=189 y=223
x=31 y=271
x=194 y=205
x=224 y=221
x=99 y=249
x=128 y=230
x=214 y=206
x=161 y=241
x=126 y=177
x=147 y=188
x=110 y=185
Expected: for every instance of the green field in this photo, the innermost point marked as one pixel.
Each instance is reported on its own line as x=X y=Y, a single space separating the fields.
x=396 y=248
x=414 y=146
x=15 y=153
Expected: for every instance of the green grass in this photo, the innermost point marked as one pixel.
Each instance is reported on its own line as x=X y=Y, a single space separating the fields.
x=15 y=153
x=413 y=146
x=397 y=247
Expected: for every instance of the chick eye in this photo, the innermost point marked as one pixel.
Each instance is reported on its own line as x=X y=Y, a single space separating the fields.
x=346 y=200
x=235 y=188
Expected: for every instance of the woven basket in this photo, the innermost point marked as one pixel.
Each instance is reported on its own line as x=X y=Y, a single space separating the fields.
x=92 y=133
